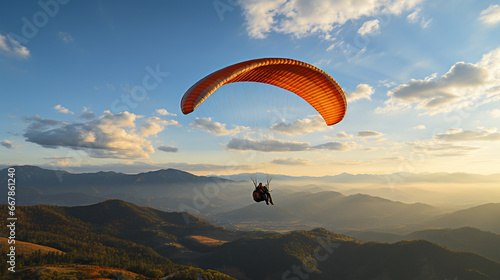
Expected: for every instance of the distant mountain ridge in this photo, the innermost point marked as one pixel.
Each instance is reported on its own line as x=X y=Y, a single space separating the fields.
x=36 y=176
x=457 y=177
x=36 y=185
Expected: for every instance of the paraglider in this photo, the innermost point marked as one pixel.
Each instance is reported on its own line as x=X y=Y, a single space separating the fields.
x=307 y=81
x=312 y=84
x=261 y=192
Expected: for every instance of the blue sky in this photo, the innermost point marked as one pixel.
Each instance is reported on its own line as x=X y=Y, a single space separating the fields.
x=96 y=85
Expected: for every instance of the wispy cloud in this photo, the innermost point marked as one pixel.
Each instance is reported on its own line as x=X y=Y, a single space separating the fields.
x=460 y=135
x=491 y=15
x=369 y=133
x=216 y=128
x=420 y=126
x=291 y=161
x=343 y=134
x=66 y=37
x=11 y=47
x=266 y=145
x=369 y=27
x=164 y=112
x=416 y=17
x=433 y=148
x=309 y=124
x=334 y=146
x=275 y=145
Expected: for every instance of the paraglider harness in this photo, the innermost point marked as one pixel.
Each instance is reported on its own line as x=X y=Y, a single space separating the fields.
x=258 y=194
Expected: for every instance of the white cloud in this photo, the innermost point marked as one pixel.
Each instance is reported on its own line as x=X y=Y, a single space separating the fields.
x=266 y=145
x=335 y=146
x=154 y=125
x=464 y=85
x=63 y=110
x=292 y=161
x=275 y=145
x=304 y=17
x=363 y=91
x=109 y=136
x=164 y=112
x=369 y=133
x=259 y=16
x=11 y=47
x=7 y=144
x=217 y=128
x=369 y=27
x=415 y=17
x=322 y=62
x=343 y=134
x=491 y=15
x=433 y=148
x=66 y=37
x=420 y=126
x=169 y=149
x=460 y=135
x=309 y=124
x=450 y=143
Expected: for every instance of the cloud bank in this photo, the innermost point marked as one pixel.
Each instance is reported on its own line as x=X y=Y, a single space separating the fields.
x=275 y=145
x=109 y=136
x=464 y=85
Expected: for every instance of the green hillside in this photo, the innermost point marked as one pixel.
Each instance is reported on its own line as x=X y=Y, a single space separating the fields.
x=104 y=234
x=154 y=244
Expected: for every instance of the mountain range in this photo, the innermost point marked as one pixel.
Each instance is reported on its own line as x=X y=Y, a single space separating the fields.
x=228 y=203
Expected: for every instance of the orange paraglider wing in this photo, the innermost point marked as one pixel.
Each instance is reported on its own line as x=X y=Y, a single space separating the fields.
x=307 y=81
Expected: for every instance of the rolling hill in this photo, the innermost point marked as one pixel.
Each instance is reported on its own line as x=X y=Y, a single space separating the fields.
x=319 y=254
x=462 y=239
x=113 y=233
x=120 y=234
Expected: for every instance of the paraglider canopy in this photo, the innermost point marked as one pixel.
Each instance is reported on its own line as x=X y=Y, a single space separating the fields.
x=307 y=81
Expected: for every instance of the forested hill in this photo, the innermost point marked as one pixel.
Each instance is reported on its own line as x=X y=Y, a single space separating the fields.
x=153 y=243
